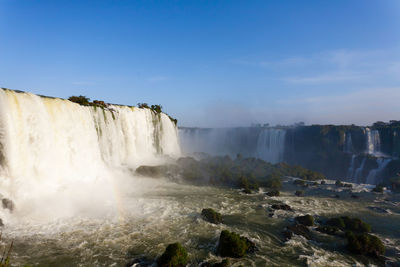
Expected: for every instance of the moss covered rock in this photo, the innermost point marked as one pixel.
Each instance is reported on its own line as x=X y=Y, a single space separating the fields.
x=306 y=220
x=273 y=193
x=233 y=245
x=174 y=256
x=281 y=207
x=211 y=216
x=365 y=244
x=346 y=223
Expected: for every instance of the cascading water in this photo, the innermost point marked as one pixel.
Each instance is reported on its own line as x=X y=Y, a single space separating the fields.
x=51 y=146
x=348 y=144
x=372 y=177
x=271 y=145
x=373 y=141
x=350 y=172
x=358 y=173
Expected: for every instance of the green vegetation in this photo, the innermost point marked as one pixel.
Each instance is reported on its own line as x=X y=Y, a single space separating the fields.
x=346 y=223
x=174 y=256
x=248 y=174
x=378 y=189
x=273 y=193
x=233 y=245
x=81 y=100
x=306 y=220
x=211 y=216
x=365 y=244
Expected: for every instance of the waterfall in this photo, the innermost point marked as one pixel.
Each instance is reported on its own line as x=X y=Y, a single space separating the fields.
x=373 y=174
x=271 y=145
x=348 y=144
x=373 y=141
x=350 y=172
x=359 y=170
x=47 y=144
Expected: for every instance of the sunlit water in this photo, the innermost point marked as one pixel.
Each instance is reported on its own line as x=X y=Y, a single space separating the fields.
x=161 y=212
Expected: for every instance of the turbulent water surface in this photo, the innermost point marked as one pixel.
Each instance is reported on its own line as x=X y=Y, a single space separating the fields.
x=163 y=212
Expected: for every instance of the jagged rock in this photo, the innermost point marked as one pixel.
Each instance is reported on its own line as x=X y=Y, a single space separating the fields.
x=174 y=256
x=297 y=229
x=8 y=204
x=233 y=245
x=211 y=216
x=306 y=220
x=281 y=207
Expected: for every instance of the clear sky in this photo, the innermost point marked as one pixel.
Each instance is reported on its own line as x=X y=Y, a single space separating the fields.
x=211 y=63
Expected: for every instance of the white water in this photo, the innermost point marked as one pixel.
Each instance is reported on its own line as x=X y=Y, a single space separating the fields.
x=373 y=174
x=359 y=170
x=373 y=141
x=351 y=168
x=59 y=154
x=271 y=145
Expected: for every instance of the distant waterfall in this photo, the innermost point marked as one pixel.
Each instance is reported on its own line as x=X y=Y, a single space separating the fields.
x=358 y=173
x=271 y=145
x=373 y=174
x=350 y=172
x=373 y=141
x=348 y=143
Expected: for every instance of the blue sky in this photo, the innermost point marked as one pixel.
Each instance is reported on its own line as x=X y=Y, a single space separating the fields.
x=211 y=63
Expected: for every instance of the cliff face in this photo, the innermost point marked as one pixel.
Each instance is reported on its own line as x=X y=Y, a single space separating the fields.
x=352 y=153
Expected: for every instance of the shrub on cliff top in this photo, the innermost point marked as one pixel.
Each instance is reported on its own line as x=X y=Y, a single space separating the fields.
x=81 y=100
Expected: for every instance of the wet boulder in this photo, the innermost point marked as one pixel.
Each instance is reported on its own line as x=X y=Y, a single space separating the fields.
x=299 y=193
x=174 y=256
x=233 y=245
x=223 y=263
x=297 y=229
x=365 y=244
x=281 y=207
x=8 y=204
x=306 y=220
x=273 y=193
x=211 y=216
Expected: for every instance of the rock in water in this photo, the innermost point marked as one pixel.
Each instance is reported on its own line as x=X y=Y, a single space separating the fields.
x=8 y=204
x=306 y=220
x=174 y=256
x=211 y=216
x=234 y=245
x=273 y=193
x=281 y=207
x=297 y=229
x=365 y=244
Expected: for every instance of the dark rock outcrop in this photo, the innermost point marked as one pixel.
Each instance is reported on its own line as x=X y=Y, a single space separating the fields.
x=211 y=216
x=233 y=245
x=174 y=256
